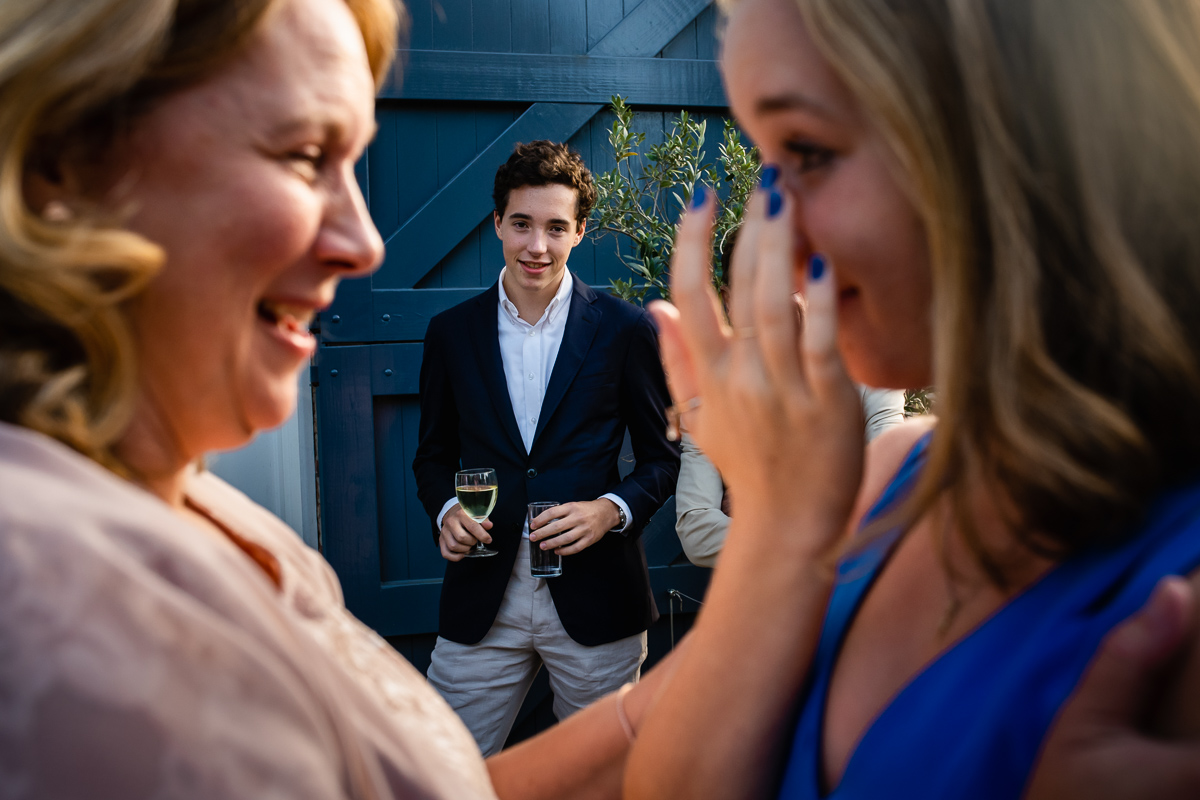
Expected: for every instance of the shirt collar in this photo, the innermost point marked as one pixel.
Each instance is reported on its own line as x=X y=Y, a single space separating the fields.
x=557 y=303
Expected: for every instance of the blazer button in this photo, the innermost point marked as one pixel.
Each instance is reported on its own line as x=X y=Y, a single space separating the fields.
x=531 y=473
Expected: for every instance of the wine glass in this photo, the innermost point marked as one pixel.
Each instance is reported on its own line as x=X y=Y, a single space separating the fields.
x=477 y=490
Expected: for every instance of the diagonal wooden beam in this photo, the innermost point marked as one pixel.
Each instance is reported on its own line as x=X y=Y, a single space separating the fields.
x=417 y=247
x=649 y=28
x=525 y=77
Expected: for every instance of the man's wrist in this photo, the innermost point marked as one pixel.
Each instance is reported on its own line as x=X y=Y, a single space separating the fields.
x=446 y=509
x=622 y=520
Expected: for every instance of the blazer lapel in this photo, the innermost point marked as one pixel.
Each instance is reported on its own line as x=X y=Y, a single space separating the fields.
x=583 y=321
x=486 y=335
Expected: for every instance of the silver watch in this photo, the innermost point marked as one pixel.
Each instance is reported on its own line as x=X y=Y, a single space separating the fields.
x=623 y=519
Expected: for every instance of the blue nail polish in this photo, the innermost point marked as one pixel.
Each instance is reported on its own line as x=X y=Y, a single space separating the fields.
x=770 y=174
x=816 y=267
x=699 y=196
x=774 y=204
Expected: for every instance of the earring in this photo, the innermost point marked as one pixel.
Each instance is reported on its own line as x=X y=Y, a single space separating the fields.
x=56 y=211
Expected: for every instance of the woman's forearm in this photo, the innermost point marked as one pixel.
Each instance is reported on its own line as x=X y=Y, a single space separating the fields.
x=718 y=727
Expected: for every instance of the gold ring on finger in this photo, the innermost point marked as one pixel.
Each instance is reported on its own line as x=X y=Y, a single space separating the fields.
x=675 y=416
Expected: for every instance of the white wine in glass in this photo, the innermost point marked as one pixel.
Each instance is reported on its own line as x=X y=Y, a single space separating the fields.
x=477 y=491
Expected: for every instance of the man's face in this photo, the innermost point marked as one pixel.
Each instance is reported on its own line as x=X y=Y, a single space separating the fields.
x=537 y=233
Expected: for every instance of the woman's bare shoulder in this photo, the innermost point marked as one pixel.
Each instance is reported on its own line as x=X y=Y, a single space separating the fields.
x=883 y=458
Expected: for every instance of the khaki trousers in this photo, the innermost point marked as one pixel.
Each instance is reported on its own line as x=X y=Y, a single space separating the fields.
x=487 y=682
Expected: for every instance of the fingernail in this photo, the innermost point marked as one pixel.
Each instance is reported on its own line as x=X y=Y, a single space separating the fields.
x=774 y=204
x=816 y=267
x=699 y=196
x=770 y=174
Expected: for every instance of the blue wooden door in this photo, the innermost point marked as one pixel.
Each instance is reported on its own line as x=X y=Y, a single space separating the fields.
x=479 y=76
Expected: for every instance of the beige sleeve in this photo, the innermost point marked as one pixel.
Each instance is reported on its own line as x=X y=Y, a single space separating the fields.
x=882 y=408
x=699 y=522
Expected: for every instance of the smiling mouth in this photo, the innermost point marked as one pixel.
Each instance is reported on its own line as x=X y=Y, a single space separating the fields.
x=533 y=266
x=293 y=318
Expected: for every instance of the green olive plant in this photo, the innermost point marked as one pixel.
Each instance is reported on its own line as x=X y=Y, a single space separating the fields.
x=918 y=401
x=641 y=197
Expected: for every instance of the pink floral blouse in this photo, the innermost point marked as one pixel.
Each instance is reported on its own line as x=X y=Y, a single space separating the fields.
x=141 y=656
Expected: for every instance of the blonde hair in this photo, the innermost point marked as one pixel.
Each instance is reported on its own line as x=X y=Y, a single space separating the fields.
x=1053 y=152
x=73 y=77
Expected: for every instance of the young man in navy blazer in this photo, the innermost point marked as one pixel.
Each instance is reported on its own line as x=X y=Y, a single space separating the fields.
x=539 y=377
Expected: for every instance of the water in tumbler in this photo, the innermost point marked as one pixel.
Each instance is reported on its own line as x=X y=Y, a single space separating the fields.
x=542 y=563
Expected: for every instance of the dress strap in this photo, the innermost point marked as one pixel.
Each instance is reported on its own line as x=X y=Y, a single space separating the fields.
x=855 y=575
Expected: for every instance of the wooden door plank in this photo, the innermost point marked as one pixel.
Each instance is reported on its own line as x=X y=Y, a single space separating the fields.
x=706 y=34
x=683 y=45
x=415 y=154
x=348 y=320
x=491 y=253
x=492 y=121
x=491 y=26
x=391 y=472
x=641 y=32
x=424 y=558
x=568 y=27
x=383 y=170
x=452 y=25
x=519 y=77
x=420 y=31
x=456 y=149
x=460 y=267
x=349 y=500
x=455 y=141
x=602 y=17
x=531 y=26
x=409 y=310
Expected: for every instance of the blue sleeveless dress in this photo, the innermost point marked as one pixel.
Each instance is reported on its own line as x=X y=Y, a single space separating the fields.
x=970 y=724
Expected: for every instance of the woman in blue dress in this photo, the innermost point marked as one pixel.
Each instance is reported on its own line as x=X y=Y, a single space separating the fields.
x=998 y=198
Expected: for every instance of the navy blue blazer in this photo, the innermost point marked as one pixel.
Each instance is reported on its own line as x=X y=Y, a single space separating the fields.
x=607 y=378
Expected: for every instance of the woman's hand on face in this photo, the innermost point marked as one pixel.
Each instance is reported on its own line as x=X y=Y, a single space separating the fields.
x=779 y=417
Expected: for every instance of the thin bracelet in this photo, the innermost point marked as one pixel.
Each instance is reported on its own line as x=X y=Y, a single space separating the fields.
x=622 y=717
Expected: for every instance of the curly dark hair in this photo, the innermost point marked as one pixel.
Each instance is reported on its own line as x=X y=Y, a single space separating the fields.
x=540 y=163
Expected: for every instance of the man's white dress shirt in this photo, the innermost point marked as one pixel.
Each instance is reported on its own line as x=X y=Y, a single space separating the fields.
x=528 y=352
